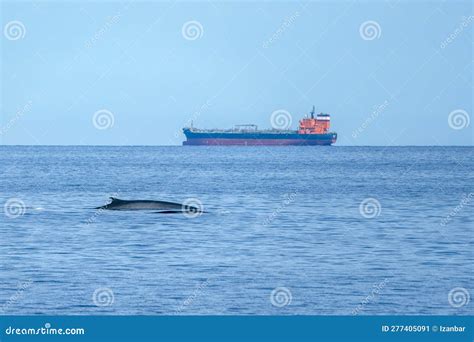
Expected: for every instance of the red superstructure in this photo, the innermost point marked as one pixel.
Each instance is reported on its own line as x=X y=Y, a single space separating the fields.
x=320 y=125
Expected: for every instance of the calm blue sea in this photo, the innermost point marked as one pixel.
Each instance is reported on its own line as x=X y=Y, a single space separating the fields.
x=287 y=230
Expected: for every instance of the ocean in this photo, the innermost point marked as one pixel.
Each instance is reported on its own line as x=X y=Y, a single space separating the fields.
x=286 y=231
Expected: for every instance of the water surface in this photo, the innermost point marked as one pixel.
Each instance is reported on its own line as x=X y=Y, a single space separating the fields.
x=277 y=217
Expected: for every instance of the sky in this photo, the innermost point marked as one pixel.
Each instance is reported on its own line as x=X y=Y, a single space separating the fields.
x=390 y=72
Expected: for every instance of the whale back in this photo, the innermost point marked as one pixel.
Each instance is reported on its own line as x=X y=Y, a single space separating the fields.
x=119 y=204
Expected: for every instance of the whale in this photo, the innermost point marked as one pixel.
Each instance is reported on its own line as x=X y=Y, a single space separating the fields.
x=160 y=206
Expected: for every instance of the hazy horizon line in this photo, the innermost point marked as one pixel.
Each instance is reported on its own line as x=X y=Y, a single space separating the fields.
x=226 y=146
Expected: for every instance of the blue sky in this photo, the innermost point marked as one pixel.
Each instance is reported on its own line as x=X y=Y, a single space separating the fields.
x=389 y=72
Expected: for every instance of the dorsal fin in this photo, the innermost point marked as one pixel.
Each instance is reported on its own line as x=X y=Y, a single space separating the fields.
x=113 y=199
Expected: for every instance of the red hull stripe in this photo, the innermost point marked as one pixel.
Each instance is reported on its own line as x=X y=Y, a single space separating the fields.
x=256 y=142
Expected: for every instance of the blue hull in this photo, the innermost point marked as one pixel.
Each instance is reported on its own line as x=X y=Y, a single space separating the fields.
x=257 y=138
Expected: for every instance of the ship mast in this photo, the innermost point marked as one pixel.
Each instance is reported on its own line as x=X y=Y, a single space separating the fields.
x=312 y=113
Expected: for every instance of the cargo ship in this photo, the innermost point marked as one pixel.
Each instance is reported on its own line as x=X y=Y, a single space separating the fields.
x=313 y=130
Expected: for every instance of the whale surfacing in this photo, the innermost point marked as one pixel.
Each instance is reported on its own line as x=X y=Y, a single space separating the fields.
x=160 y=206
